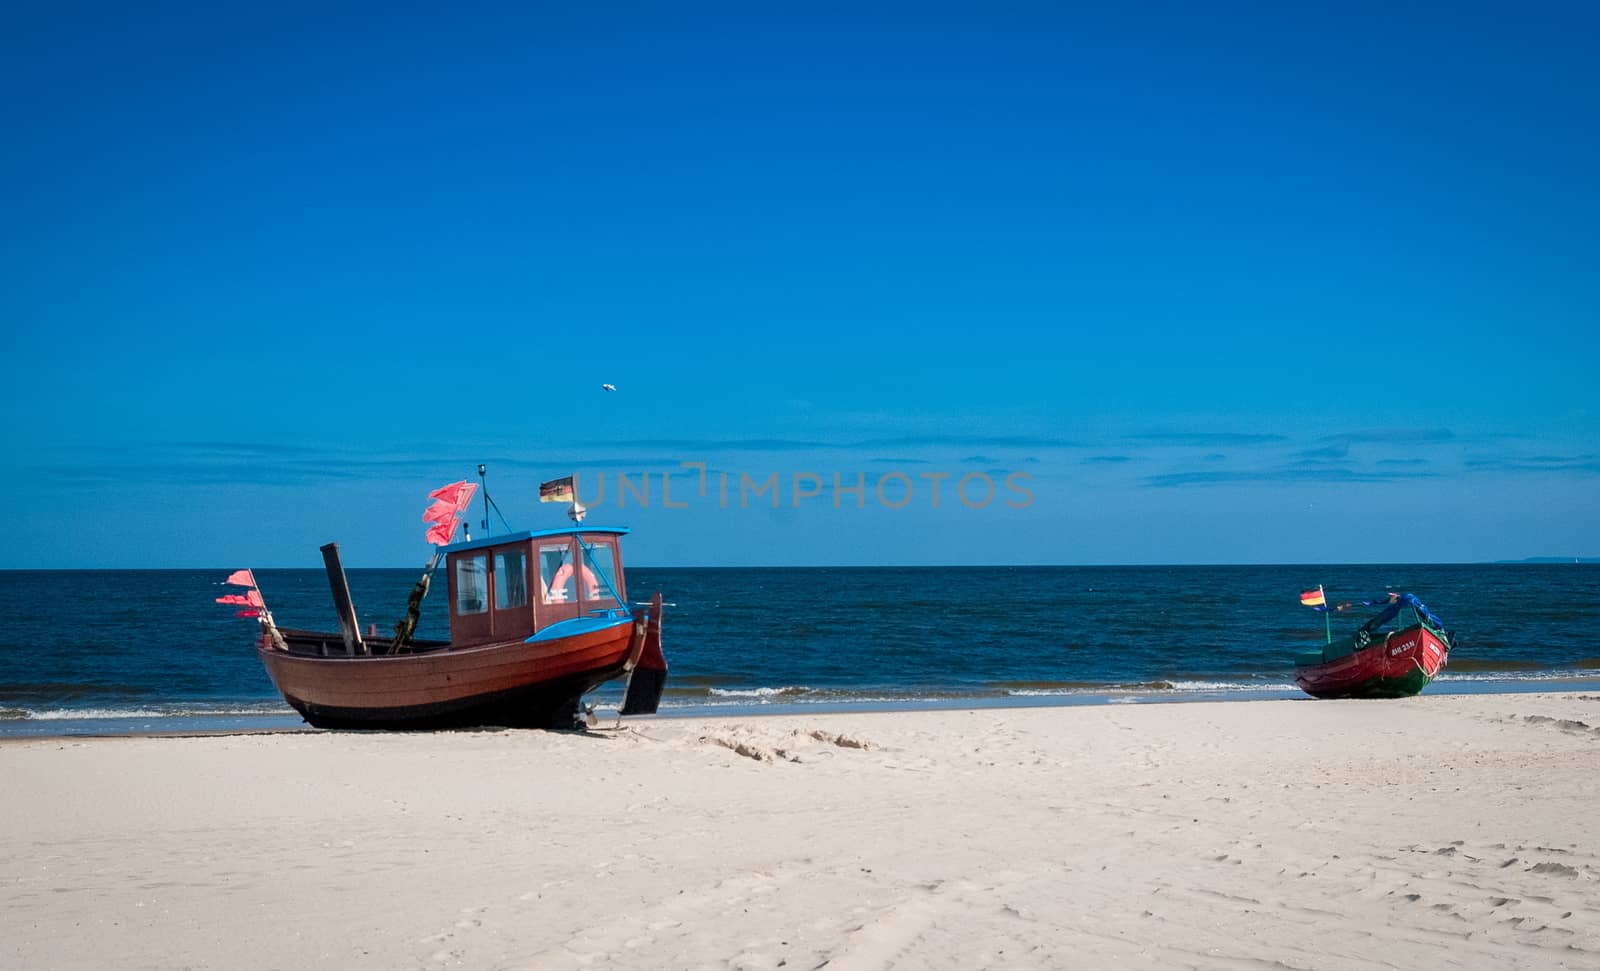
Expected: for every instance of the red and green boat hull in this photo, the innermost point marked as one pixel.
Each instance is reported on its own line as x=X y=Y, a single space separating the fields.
x=1396 y=666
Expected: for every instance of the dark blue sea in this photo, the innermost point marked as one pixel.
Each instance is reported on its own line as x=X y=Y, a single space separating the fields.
x=149 y=650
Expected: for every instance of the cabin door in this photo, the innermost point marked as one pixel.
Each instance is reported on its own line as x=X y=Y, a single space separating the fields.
x=470 y=619
x=513 y=617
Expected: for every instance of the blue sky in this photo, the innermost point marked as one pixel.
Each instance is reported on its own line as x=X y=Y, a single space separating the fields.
x=1253 y=283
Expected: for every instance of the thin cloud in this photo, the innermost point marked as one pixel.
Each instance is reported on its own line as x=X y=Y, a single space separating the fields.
x=200 y=471
x=1171 y=480
x=225 y=473
x=1579 y=464
x=249 y=448
x=1206 y=439
x=983 y=441
x=727 y=444
x=900 y=441
x=1339 y=451
x=1320 y=463
x=1392 y=436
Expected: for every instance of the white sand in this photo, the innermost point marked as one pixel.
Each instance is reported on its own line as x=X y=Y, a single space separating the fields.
x=1433 y=832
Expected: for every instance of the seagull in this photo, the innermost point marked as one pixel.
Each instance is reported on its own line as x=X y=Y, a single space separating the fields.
x=608 y=387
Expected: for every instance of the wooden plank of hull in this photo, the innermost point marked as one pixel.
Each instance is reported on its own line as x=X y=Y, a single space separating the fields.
x=451 y=682
x=1401 y=665
x=548 y=704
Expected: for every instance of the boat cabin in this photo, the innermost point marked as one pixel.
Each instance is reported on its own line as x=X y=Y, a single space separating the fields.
x=512 y=587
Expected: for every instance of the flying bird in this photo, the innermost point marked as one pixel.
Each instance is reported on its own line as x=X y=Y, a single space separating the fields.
x=608 y=387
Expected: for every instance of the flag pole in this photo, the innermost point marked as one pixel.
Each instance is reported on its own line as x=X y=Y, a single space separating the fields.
x=1327 y=622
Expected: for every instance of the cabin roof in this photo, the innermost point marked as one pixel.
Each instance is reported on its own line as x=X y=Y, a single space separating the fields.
x=505 y=538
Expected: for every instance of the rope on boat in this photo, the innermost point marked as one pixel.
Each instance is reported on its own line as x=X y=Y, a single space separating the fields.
x=407 y=625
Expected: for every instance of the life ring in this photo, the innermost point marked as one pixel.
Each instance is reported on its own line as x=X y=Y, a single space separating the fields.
x=557 y=592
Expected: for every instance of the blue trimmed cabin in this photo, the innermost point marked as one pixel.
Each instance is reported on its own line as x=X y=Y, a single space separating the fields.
x=535 y=586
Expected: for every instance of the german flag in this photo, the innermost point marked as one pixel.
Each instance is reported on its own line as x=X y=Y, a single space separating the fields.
x=1313 y=598
x=556 y=490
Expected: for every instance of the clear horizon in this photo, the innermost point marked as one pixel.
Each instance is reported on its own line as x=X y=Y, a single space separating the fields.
x=1238 y=286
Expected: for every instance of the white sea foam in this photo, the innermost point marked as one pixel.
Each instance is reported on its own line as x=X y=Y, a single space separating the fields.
x=787 y=690
x=745 y=700
x=1229 y=686
x=1154 y=686
x=95 y=714
x=1571 y=674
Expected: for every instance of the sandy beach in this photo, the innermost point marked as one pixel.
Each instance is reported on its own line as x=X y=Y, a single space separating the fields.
x=1432 y=832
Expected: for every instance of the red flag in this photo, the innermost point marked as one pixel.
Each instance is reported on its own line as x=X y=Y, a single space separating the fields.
x=247 y=612
x=239 y=599
x=241 y=578
x=254 y=596
x=439 y=512
x=440 y=534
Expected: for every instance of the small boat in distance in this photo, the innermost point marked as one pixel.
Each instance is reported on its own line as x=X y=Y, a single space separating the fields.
x=1393 y=655
x=537 y=620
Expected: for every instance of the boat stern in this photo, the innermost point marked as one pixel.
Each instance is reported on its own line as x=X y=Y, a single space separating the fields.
x=647 y=675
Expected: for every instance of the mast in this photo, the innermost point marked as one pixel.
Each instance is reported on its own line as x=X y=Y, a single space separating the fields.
x=483 y=483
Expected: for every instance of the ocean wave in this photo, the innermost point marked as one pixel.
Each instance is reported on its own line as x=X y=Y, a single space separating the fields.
x=1044 y=687
x=1232 y=686
x=1555 y=674
x=173 y=711
x=1141 y=686
x=836 y=698
x=786 y=691
x=1492 y=664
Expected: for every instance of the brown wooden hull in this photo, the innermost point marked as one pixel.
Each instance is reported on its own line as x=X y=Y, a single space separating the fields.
x=508 y=683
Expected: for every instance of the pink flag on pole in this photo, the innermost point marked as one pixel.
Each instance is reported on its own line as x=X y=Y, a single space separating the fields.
x=439 y=512
x=456 y=493
x=247 y=612
x=238 y=599
x=241 y=578
x=449 y=503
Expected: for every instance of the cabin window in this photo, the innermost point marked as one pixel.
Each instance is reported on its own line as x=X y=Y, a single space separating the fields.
x=557 y=577
x=602 y=558
x=510 y=579
x=472 y=588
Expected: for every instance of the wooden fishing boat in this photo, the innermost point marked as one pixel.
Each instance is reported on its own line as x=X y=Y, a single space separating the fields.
x=537 y=620
x=1393 y=655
